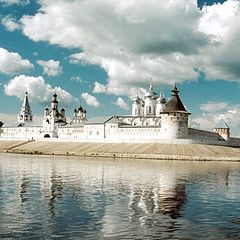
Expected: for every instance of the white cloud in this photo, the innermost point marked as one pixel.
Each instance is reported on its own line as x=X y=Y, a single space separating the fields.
x=111 y=88
x=214 y=113
x=139 y=39
x=39 y=91
x=99 y=88
x=13 y=63
x=133 y=41
x=10 y=23
x=14 y=2
x=121 y=103
x=90 y=100
x=213 y=106
x=78 y=79
x=50 y=67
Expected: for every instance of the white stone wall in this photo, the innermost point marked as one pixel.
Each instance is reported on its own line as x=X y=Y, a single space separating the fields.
x=174 y=125
x=22 y=132
x=87 y=132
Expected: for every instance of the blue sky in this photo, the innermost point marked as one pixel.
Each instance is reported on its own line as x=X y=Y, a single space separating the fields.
x=98 y=53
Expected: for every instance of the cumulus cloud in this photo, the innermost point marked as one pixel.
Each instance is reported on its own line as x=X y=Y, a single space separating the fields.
x=39 y=91
x=14 y=2
x=10 y=23
x=50 y=67
x=121 y=103
x=90 y=100
x=134 y=41
x=13 y=63
x=215 y=113
x=213 y=106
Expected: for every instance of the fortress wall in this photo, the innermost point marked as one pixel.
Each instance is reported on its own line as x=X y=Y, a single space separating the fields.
x=234 y=142
x=21 y=132
x=206 y=137
x=196 y=133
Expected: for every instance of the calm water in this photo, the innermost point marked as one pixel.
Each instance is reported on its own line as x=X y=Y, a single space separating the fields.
x=70 y=198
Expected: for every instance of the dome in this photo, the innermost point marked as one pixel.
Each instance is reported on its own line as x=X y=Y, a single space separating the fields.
x=150 y=93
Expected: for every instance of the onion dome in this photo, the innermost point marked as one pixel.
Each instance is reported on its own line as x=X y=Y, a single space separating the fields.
x=54 y=98
x=150 y=93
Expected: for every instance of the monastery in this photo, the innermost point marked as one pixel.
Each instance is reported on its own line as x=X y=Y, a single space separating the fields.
x=153 y=120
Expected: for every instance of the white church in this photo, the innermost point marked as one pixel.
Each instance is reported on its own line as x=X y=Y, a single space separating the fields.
x=153 y=120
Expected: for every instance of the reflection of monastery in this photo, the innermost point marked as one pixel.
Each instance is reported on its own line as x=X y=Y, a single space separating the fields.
x=153 y=120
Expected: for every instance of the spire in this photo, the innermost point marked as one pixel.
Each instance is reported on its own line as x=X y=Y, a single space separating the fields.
x=175 y=90
x=151 y=85
x=26 y=112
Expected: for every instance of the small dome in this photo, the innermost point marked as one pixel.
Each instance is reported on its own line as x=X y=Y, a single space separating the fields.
x=163 y=100
x=136 y=99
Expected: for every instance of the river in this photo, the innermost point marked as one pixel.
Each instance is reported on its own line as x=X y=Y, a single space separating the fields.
x=49 y=197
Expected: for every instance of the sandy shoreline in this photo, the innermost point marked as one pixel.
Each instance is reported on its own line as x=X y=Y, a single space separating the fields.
x=154 y=151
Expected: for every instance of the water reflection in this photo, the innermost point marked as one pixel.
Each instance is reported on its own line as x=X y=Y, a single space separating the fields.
x=56 y=188
x=24 y=183
x=46 y=197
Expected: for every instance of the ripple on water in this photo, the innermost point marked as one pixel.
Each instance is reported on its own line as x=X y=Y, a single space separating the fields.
x=48 y=198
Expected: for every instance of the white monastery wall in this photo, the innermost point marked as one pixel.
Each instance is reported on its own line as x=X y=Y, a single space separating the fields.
x=25 y=132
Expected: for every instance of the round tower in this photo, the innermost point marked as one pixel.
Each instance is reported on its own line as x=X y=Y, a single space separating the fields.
x=150 y=102
x=174 y=118
x=136 y=106
x=161 y=105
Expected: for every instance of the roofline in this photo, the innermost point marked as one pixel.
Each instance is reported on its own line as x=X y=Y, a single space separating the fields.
x=175 y=111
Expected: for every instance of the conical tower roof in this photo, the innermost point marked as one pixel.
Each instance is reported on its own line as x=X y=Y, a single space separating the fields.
x=175 y=104
x=26 y=112
x=26 y=109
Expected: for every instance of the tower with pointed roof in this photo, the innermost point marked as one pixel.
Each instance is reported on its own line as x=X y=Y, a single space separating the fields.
x=174 y=123
x=25 y=115
x=223 y=130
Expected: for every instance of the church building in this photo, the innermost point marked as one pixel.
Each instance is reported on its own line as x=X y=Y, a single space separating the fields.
x=153 y=120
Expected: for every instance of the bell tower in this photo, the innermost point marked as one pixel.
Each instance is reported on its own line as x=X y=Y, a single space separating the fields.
x=25 y=115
